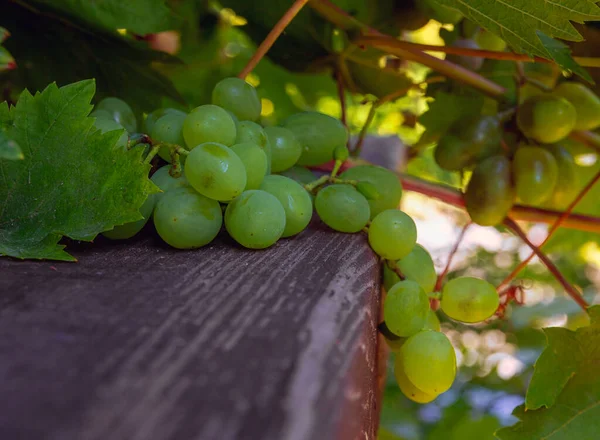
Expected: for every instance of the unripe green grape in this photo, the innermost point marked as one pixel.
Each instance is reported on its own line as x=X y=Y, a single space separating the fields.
x=546 y=118
x=429 y=361
x=128 y=230
x=255 y=219
x=368 y=190
x=169 y=129
x=567 y=182
x=490 y=195
x=385 y=181
x=255 y=161
x=405 y=308
x=585 y=101
x=535 y=172
x=407 y=387
x=249 y=131
x=154 y=116
x=106 y=125
x=489 y=41
x=300 y=174
x=392 y=234
x=120 y=112
x=469 y=299
x=285 y=148
x=215 y=171
x=295 y=201
x=318 y=135
x=377 y=81
x=102 y=114
x=163 y=179
x=432 y=322
x=185 y=219
x=208 y=123
x=342 y=208
x=416 y=266
x=239 y=97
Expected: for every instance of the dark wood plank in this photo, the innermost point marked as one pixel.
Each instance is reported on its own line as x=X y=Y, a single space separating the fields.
x=138 y=341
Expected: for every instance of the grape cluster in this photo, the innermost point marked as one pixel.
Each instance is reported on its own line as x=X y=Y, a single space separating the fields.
x=523 y=157
x=253 y=180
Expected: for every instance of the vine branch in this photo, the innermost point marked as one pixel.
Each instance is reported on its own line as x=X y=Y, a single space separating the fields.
x=461 y=236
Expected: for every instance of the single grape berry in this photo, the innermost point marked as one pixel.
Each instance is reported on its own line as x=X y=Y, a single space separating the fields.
x=255 y=219
x=407 y=387
x=169 y=129
x=239 y=97
x=128 y=230
x=215 y=171
x=546 y=118
x=249 y=131
x=567 y=181
x=405 y=308
x=151 y=118
x=285 y=148
x=300 y=174
x=342 y=208
x=163 y=179
x=432 y=322
x=120 y=112
x=535 y=172
x=585 y=101
x=469 y=299
x=392 y=234
x=208 y=123
x=254 y=159
x=416 y=266
x=377 y=81
x=295 y=201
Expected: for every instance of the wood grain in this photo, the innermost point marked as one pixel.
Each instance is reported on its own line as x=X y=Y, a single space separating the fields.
x=138 y=341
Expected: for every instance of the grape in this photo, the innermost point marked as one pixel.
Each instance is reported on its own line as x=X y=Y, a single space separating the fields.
x=185 y=219
x=128 y=230
x=490 y=195
x=489 y=41
x=405 y=308
x=342 y=208
x=166 y=182
x=377 y=81
x=169 y=129
x=407 y=387
x=255 y=161
x=295 y=201
x=386 y=182
x=239 y=97
x=208 y=123
x=429 y=361
x=535 y=172
x=102 y=114
x=416 y=266
x=392 y=234
x=106 y=125
x=546 y=118
x=567 y=182
x=119 y=111
x=255 y=219
x=586 y=103
x=432 y=322
x=236 y=121
x=471 y=63
x=215 y=171
x=285 y=148
x=151 y=118
x=252 y=132
x=300 y=174
x=318 y=135
x=469 y=299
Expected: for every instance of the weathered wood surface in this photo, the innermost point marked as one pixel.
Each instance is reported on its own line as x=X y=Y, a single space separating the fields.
x=141 y=342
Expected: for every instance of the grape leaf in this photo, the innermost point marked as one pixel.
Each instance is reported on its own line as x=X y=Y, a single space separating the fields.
x=566 y=381
x=72 y=182
x=519 y=21
x=9 y=149
x=138 y=16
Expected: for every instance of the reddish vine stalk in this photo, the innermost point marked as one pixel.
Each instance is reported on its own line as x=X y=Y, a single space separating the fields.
x=440 y=279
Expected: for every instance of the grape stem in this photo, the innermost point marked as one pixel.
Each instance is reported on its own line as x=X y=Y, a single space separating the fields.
x=153 y=151
x=588 y=138
x=137 y=139
x=573 y=293
x=312 y=186
x=393 y=266
x=339 y=79
x=272 y=37
x=440 y=279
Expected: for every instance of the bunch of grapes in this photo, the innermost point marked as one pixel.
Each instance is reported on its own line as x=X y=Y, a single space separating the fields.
x=254 y=180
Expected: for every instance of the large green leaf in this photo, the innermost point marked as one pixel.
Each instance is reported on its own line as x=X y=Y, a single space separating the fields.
x=72 y=182
x=9 y=149
x=566 y=381
x=519 y=21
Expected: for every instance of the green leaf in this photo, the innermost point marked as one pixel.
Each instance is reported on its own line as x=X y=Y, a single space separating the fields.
x=138 y=16
x=72 y=182
x=566 y=381
x=562 y=55
x=9 y=149
x=518 y=22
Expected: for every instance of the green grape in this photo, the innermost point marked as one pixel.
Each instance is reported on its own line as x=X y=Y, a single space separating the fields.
x=239 y=97
x=385 y=181
x=208 y=123
x=215 y=171
x=235 y=120
x=249 y=131
x=377 y=81
x=106 y=125
x=342 y=208
x=535 y=172
x=254 y=159
x=416 y=266
x=432 y=322
x=567 y=182
x=586 y=103
x=392 y=234
x=185 y=219
x=407 y=387
x=429 y=361
x=300 y=174
x=163 y=179
x=490 y=195
x=546 y=118
x=405 y=308
x=295 y=201
x=151 y=118
x=285 y=148
x=318 y=135
x=119 y=111
x=102 y=114
x=489 y=41
x=128 y=230
x=469 y=299
x=255 y=219
x=169 y=129
x=438 y=12
x=368 y=190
